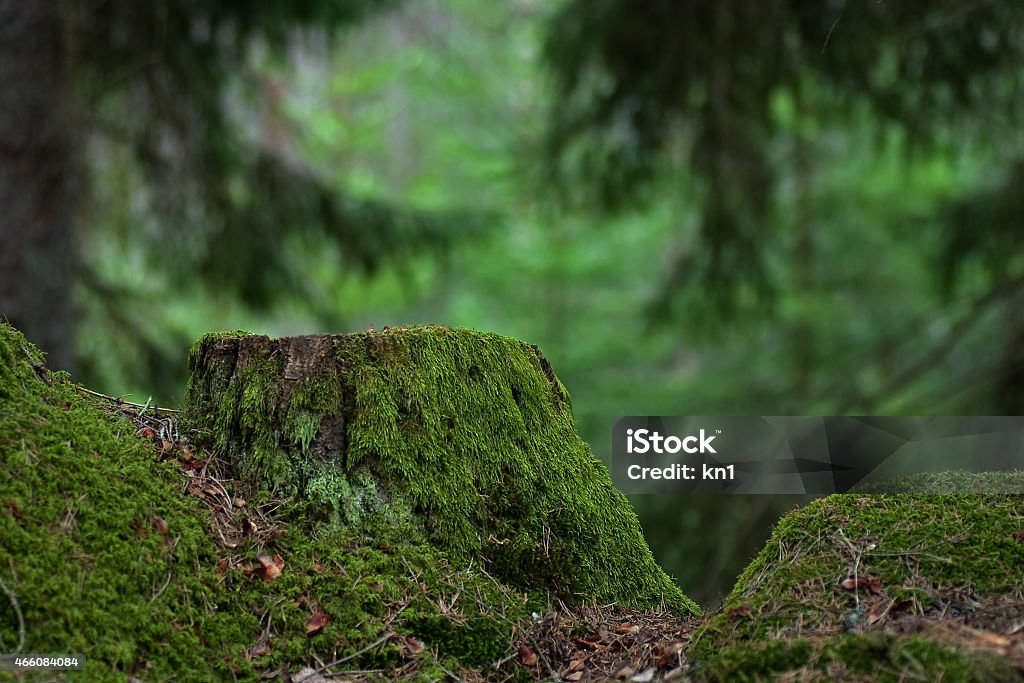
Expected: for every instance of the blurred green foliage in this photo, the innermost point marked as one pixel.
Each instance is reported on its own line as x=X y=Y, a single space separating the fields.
x=837 y=230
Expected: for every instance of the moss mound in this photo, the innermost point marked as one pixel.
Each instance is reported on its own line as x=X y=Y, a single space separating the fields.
x=465 y=437
x=103 y=553
x=956 y=482
x=854 y=586
x=81 y=563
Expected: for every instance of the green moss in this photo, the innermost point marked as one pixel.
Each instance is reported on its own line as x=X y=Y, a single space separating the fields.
x=876 y=657
x=955 y=482
x=470 y=431
x=79 y=549
x=477 y=642
x=88 y=571
x=378 y=585
x=917 y=548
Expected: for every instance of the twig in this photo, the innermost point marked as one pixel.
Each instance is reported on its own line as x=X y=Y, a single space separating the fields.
x=448 y=671
x=833 y=28
x=269 y=614
x=17 y=610
x=516 y=627
x=121 y=401
x=162 y=588
x=380 y=641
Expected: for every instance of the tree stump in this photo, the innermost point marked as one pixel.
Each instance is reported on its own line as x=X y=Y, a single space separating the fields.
x=463 y=437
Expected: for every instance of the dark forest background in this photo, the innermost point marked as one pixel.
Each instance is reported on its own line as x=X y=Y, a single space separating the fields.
x=769 y=208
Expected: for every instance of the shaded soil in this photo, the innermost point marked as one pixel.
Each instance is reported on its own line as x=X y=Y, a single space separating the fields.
x=607 y=643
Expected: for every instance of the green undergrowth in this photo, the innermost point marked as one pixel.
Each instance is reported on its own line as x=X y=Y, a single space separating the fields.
x=378 y=585
x=854 y=657
x=102 y=554
x=850 y=565
x=466 y=436
x=953 y=482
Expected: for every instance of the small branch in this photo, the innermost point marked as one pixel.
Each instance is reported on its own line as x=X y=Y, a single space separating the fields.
x=833 y=28
x=167 y=582
x=380 y=641
x=17 y=610
x=448 y=671
x=121 y=402
x=516 y=627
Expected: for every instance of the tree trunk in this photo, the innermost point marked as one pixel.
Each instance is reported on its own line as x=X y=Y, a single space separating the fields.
x=37 y=253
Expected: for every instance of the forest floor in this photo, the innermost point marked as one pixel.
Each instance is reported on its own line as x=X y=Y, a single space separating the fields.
x=605 y=643
x=572 y=644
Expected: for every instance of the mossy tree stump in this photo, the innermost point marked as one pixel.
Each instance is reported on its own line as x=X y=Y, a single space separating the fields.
x=464 y=437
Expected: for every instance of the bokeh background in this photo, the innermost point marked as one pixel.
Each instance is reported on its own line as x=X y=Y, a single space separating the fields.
x=734 y=207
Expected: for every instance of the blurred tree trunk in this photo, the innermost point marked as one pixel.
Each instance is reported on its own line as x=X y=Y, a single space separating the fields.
x=37 y=253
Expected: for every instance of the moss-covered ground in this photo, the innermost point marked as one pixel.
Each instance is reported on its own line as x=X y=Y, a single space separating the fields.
x=874 y=587
x=108 y=548
x=102 y=553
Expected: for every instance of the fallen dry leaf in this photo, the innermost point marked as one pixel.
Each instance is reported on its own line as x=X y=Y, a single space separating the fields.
x=415 y=646
x=1018 y=535
x=317 y=622
x=873 y=585
x=587 y=644
x=270 y=571
x=875 y=612
x=527 y=656
x=667 y=656
x=740 y=611
x=160 y=524
x=258 y=650
x=239 y=502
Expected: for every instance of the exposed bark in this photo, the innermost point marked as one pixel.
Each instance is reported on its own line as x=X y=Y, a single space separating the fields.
x=37 y=252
